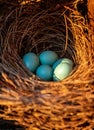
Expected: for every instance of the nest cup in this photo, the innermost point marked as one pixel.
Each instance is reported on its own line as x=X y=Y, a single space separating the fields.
x=31 y=102
x=37 y=32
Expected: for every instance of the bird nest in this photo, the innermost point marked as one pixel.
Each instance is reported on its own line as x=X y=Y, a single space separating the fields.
x=26 y=99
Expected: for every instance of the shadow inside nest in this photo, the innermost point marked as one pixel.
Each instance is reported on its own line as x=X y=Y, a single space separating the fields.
x=9 y=125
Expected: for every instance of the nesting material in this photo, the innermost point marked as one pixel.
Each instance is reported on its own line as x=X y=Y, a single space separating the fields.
x=31 y=102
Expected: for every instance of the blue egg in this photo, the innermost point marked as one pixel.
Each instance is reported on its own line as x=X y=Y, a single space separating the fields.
x=56 y=63
x=44 y=72
x=48 y=57
x=31 y=61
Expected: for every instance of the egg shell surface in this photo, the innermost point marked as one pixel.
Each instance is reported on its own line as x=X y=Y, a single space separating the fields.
x=45 y=72
x=67 y=60
x=31 y=61
x=56 y=63
x=62 y=71
x=48 y=57
x=62 y=60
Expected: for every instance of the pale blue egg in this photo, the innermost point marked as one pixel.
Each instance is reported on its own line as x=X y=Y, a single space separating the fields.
x=67 y=60
x=62 y=71
x=55 y=78
x=31 y=61
x=44 y=72
x=62 y=60
x=48 y=57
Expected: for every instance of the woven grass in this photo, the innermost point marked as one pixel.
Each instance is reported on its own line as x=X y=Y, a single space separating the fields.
x=39 y=105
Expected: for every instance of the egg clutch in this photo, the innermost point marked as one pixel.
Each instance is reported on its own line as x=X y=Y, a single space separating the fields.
x=48 y=66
